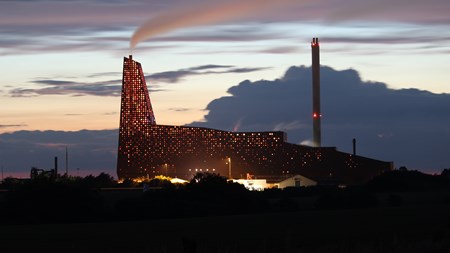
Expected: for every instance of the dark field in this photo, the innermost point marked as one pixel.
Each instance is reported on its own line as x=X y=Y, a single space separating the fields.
x=408 y=228
x=397 y=212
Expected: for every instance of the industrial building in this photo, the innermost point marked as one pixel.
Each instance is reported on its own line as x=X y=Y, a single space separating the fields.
x=147 y=149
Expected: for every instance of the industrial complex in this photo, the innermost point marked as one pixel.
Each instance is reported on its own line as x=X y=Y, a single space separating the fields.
x=147 y=149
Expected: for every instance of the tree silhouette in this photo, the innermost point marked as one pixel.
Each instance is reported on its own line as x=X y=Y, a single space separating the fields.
x=204 y=183
x=103 y=180
x=160 y=183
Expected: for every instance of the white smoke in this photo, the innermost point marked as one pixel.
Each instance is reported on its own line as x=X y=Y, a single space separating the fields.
x=238 y=124
x=307 y=143
x=205 y=13
x=289 y=126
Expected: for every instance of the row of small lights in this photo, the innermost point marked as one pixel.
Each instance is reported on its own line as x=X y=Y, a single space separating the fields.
x=202 y=170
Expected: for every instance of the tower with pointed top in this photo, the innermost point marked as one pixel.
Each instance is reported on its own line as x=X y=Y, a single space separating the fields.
x=136 y=115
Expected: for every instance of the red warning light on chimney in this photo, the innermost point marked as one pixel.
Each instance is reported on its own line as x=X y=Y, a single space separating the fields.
x=315 y=42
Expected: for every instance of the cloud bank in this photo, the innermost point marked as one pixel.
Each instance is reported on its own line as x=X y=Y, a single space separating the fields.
x=112 y=88
x=408 y=126
x=29 y=27
x=177 y=75
x=61 y=87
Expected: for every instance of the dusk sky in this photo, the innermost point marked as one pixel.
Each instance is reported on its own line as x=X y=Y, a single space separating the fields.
x=386 y=80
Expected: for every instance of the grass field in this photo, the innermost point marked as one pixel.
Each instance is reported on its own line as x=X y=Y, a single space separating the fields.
x=382 y=229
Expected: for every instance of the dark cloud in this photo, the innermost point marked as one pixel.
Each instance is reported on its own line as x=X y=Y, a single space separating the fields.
x=280 y=50
x=73 y=114
x=34 y=39
x=105 y=74
x=111 y=113
x=180 y=109
x=238 y=70
x=90 y=151
x=407 y=39
x=177 y=75
x=211 y=66
x=47 y=86
x=407 y=126
x=404 y=11
x=218 y=36
x=414 y=40
x=170 y=76
x=63 y=87
x=12 y=125
x=87 y=25
x=55 y=82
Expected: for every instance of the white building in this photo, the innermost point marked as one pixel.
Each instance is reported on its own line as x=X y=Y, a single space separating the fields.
x=296 y=181
x=252 y=184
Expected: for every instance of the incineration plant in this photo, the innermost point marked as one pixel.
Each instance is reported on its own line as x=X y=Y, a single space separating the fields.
x=147 y=149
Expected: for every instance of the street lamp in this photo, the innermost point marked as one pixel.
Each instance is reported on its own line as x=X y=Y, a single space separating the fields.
x=229 y=167
x=165 y=166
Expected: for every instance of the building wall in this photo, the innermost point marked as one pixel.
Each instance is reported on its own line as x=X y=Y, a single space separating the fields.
x=136 y=115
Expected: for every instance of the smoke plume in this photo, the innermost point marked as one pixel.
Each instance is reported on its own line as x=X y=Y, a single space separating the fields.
x=205 y=13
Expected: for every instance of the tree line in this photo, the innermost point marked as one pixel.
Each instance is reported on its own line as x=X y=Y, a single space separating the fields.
x=101 y=198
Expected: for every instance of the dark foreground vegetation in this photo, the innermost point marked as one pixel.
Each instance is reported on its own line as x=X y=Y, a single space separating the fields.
x=399 y=211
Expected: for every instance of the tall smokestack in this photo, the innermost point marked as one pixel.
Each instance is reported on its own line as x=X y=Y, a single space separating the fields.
x=316 y=91
x=354 y=146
